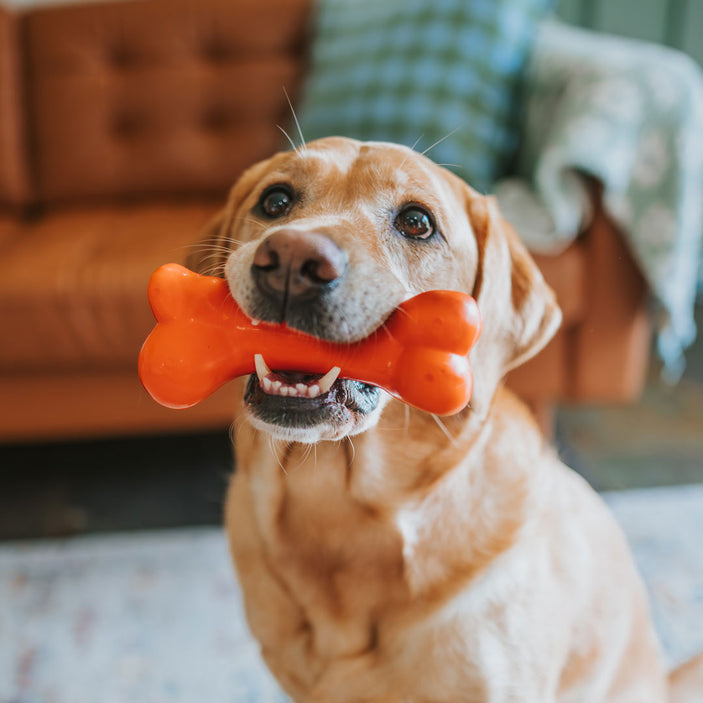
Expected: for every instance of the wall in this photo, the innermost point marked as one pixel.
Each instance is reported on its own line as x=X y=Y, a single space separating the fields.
x=677 y=23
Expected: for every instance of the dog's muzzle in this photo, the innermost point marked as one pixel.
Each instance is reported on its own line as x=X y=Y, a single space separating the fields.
x=294 y=270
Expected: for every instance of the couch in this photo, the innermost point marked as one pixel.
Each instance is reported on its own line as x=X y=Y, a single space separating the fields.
x=122 y=125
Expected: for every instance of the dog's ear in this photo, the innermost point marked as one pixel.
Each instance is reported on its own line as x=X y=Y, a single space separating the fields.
x=518 y=309
x=210 y=252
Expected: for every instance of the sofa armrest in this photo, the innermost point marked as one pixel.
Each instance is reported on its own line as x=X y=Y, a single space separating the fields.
x=611 y=342
x=601 y=353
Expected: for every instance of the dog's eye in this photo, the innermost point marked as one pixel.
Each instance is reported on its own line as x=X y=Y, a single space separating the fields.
x=414 y=222
x=276 y=201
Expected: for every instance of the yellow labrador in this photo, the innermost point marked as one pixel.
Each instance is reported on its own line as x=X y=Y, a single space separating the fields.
x=386 y=555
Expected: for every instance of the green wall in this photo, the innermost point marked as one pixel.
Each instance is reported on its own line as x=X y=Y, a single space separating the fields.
x=678 y=23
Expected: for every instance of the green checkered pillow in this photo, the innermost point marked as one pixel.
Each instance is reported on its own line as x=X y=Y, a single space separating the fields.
x=415 y=71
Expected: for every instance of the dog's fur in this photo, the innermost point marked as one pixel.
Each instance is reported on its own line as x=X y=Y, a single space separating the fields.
x=393 y=556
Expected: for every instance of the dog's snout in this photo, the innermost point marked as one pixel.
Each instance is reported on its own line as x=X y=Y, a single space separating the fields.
x=291 y=266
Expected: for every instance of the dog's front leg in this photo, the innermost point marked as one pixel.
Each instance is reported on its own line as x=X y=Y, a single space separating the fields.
x=274 y=618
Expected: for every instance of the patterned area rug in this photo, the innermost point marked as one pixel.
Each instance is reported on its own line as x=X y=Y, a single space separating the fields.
x=156 y=617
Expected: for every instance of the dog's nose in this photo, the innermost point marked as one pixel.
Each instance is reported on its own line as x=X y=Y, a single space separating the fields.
x=292 y=266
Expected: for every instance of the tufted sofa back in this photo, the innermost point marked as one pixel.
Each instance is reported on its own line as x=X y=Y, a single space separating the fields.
x=145 y=97
x=13 y=162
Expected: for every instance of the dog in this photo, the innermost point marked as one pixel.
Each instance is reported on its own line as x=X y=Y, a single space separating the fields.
x=387 y=555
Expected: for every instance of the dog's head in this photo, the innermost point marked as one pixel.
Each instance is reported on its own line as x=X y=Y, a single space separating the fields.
x=332 y=237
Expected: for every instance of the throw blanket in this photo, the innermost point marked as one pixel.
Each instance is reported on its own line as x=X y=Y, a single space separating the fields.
x=630 y=114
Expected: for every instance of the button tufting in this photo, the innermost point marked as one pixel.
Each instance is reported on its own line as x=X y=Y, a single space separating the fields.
x=121 y=56
x=216 y=51
x=216 y=119
x=127 y=125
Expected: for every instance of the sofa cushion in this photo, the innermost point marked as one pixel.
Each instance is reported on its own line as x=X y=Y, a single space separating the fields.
x=420 y=71
x=73 y=283
x=159 y=96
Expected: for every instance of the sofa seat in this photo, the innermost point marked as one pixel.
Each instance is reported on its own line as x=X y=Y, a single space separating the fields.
x=80 y=276
x=601 y=352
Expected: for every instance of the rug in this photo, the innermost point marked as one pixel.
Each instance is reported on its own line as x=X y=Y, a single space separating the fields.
x=156 y=617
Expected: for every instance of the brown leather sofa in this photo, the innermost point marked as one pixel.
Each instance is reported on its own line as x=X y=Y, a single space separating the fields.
x=122 y=125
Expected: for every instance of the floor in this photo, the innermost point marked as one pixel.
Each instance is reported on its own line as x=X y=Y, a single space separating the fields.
x=63 y=489
x=657 y=441
x=156 y=616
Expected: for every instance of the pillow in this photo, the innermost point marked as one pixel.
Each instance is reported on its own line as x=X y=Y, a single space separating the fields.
x=419 y=71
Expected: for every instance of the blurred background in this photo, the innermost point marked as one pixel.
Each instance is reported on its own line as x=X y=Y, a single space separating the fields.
x=115 y=470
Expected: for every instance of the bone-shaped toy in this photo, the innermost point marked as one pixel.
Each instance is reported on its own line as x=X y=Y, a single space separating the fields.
x=203 y=339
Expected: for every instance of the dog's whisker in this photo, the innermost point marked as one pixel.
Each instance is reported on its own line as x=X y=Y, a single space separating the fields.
x=275 y=455
x=404 y=286
x=401 y=311
x=239 y=242
x=209 y=246
x=238 y=421
x=384 y=327
x=412 y=148
x=203 y=246
x=303 y=144
x=439 y=141
x=290 y=140
x=216 y=254
x=213 y=255
x=213 y=273
x=444 y=429
x=252 y=221
x=215 y=262
x=216 y=269
x=353 y=449
x=231 y=431
x=212 y=249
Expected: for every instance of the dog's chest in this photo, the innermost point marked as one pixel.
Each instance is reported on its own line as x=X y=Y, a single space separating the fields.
x=342 y=562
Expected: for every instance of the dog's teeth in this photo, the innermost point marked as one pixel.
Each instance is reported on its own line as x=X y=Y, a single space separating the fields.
x=325 y=383
x=299 y=390
x=262 y=370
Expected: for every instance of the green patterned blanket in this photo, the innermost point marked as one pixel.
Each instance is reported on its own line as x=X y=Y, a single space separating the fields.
x=630 y=114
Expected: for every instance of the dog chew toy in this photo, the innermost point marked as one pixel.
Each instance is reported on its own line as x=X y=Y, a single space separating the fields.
x=203 y=339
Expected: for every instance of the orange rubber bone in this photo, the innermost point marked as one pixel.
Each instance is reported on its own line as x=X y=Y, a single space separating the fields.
x=203 y=339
